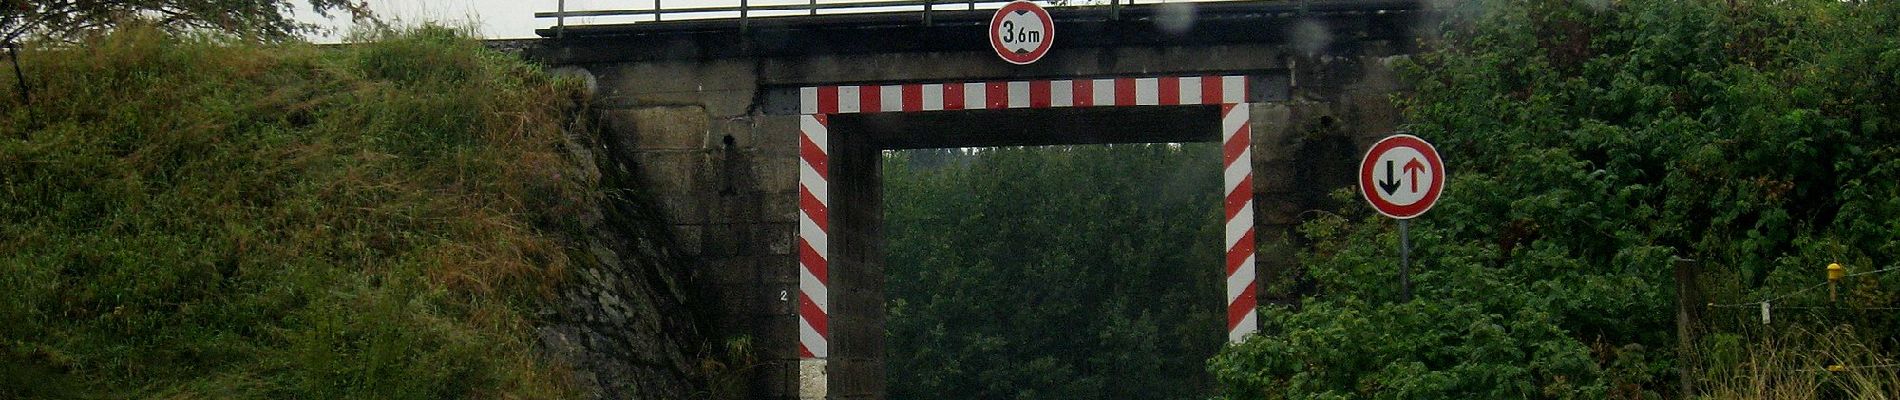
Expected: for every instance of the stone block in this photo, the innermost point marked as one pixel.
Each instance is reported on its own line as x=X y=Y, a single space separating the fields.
x=814 y=383
x=779 y=238
x=1377 y=74
x=861 y=302
x=689 y=238
x=673 y=172
x=779 y=269
x=722 y=241
x=659 y=128
x=1274 y=238
x=1373 y=113
x=773 y=379
x=1273 y=135
x=780 y=207
x=787 y=300
x=1276 y=210
x=681 y=208
x=773 y=299
x=776 y=135
x=1274 y=177
x=856 y=274
x=736 y=208
x=1275 y=261
x=729 y=309
x=740 y=130
x=856 y=378
x=1309 y=120
x=732 y=270
x=776 y=173
x=722 y=86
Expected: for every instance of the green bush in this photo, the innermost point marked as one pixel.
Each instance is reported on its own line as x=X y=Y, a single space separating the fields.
x=1591 y=143
x=197 y=218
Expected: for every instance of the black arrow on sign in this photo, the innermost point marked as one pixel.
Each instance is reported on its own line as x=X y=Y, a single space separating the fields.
x=1391 y=183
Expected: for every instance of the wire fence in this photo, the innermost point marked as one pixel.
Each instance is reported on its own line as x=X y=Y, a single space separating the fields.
x=1770 y=301
x=1769 y=305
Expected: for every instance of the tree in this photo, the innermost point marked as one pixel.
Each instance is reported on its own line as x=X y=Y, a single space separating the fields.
x=1085 y=272
x=263 y=20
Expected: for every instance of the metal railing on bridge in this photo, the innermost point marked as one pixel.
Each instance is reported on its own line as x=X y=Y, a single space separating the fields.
x=745 y=10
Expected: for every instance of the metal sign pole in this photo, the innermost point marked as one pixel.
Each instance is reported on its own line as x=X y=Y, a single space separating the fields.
x=1423 y=169
x=1405 y=260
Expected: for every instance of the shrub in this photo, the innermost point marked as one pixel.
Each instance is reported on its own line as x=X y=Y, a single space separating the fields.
x=1592 y=143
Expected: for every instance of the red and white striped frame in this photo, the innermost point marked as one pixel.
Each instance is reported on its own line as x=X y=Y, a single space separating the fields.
x=816 y=103
x=1237 y=173
x=814 y=221
x=1059 y=93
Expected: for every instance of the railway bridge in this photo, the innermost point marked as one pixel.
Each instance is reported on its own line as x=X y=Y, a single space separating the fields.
x=758 y=130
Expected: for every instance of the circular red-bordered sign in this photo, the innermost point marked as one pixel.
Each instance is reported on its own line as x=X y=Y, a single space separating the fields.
x=1021 y=32
x=1401 y=176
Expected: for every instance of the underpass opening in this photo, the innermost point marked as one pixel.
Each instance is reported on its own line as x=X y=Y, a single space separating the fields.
x=841 y=246
x=1052 y=272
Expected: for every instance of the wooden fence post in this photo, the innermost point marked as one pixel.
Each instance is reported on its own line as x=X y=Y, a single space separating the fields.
x=1688 y=322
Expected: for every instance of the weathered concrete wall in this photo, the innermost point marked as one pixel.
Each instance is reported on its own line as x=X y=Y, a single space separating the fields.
x=621 y=321
x=696 y=132
x=727 y=180
x=1310 y=145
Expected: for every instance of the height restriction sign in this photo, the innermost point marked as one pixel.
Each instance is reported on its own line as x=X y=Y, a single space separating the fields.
x=1021 y=32
x=1401 y=176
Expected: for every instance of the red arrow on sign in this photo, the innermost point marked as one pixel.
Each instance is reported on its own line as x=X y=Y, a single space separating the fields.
x=1413 y=168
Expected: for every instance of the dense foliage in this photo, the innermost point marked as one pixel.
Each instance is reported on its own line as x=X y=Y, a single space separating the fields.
x=1087 y=272
x=74 y=19
x=1592 y=143
x=190 y=218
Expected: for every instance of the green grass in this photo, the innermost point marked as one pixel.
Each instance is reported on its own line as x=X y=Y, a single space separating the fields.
x=189 y=217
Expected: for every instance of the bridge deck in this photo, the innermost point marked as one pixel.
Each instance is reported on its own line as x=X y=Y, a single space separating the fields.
x=722 y=18
x=961 y=30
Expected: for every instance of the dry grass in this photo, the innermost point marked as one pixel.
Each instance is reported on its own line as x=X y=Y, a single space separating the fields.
x=1800 y=364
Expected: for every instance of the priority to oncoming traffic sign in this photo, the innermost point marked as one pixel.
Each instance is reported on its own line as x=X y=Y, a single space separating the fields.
x=1401 y=176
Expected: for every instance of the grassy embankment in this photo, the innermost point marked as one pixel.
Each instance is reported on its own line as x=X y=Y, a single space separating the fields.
x=188 y=217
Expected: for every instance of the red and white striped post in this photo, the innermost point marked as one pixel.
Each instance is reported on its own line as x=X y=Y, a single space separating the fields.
x=1237 y=171
x=813 y=223
x=819 y=102
x=814 y=278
